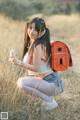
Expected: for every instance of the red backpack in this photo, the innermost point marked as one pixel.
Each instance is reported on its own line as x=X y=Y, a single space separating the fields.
x=61 y=56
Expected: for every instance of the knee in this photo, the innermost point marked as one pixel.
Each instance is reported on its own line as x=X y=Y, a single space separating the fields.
x=20 y=83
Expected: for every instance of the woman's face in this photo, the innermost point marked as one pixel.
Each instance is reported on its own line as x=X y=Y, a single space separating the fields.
x=32 y=32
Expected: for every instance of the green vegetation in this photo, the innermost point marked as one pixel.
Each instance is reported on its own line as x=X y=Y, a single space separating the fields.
x=18 y=9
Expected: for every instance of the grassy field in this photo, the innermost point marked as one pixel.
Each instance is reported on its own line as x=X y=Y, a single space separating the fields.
x=22 y=106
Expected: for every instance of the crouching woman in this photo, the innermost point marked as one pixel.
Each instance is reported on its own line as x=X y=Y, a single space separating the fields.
x=42 y=80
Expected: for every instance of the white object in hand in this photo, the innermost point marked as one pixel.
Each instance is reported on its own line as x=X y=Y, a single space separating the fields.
x=12 y=53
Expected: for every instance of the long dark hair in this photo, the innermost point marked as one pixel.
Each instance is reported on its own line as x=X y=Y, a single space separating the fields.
x=40 y=26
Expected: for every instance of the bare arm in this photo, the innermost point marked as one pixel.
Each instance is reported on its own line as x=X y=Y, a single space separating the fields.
x=27 y=66
x=36 y=61
x=22 y=64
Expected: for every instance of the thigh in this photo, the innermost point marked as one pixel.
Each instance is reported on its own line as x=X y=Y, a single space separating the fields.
x=55 y=90
x=49 y=89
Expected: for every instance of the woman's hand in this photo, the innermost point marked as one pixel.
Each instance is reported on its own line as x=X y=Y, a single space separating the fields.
x=14 y=60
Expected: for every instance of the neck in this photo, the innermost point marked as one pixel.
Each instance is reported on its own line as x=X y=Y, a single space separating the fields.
x=32 y=41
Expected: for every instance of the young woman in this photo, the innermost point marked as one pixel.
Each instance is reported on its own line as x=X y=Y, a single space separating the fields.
x=42 y=80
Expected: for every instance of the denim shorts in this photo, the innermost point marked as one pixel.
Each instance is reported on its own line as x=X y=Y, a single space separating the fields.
x=54 y=78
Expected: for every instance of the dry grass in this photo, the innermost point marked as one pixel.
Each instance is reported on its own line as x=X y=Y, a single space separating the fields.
x=22 y=106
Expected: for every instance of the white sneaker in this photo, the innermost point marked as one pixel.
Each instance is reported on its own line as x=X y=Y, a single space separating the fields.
x=51 y=105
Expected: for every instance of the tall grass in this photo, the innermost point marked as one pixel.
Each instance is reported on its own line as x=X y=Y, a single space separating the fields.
x=19 y=104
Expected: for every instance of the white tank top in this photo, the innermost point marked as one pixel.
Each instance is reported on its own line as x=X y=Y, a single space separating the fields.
x=44 y=68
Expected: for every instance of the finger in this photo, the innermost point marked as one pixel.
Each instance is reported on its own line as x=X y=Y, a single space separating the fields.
x=11 y=60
